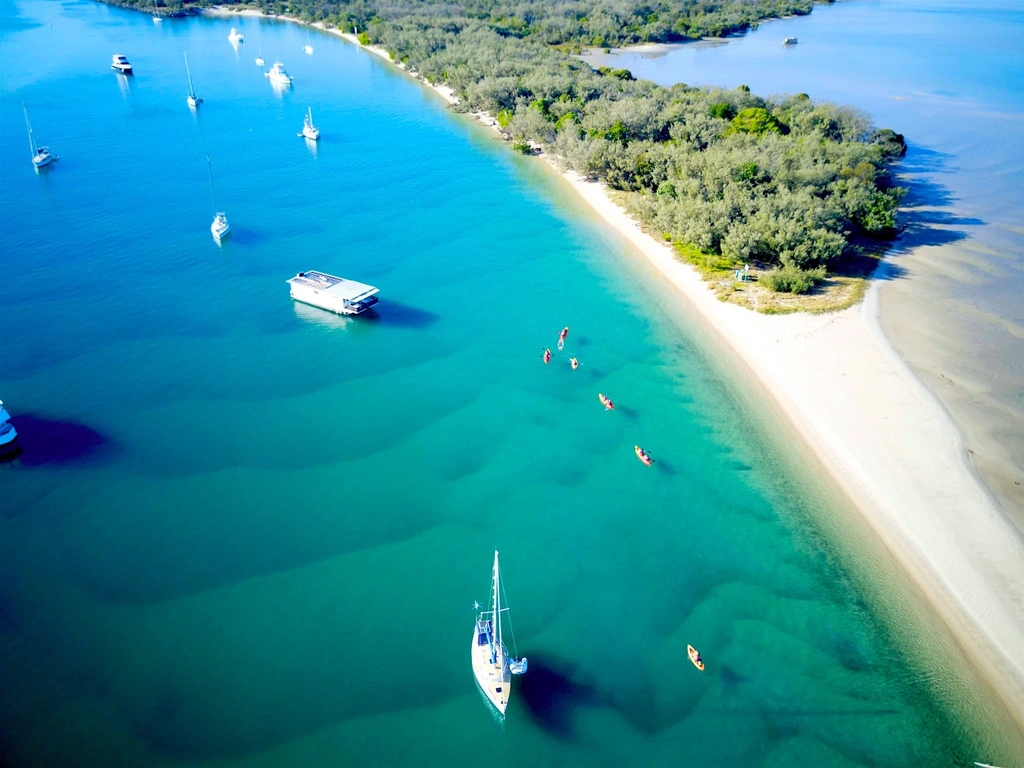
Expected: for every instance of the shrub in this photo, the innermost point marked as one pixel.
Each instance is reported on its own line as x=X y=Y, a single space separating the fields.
x=790 y=279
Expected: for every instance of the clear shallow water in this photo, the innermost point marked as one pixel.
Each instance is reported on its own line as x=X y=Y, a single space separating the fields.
x=947 y=75
x=244 y=532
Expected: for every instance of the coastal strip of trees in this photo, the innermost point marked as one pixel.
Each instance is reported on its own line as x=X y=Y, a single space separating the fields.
x=785 y=183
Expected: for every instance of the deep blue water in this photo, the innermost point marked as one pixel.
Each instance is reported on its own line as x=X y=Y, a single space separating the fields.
x=245 y=532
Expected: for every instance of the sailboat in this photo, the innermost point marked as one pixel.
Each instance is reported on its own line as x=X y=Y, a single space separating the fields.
x=492 y=667
x=220 y=227
x=40 y=155
x=192 y=99
x=309 y=130
x=259 y=58
x=308 y=47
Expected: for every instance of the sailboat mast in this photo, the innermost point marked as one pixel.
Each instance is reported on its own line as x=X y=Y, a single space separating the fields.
x=191 y=90
x=497 y=607
x=31 y=138
x=213 y=189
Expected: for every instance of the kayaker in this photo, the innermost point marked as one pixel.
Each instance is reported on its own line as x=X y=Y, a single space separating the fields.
x=574 y=363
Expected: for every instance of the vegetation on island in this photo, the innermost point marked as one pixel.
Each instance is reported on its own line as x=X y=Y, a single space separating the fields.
x=796 y=189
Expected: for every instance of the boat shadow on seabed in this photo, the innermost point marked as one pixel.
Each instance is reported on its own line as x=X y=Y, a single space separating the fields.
x=551 y=696
x=43 y=441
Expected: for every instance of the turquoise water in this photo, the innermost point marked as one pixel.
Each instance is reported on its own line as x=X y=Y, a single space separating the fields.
x=948 y=75
x=245 y=532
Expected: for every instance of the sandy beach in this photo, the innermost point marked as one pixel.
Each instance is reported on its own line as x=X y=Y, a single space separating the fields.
x=882 y=435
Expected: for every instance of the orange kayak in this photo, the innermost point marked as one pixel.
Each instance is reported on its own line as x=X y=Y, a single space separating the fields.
x=695 y=657
x=606 y=402
x=642 y=455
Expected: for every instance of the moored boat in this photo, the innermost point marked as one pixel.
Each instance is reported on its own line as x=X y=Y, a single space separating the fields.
x=278 y=75
x=333 y=293
x=191 y=99
x=235 y=36
x=789 y=41
x=41 y=156
x=492 y=667
x=309 y=130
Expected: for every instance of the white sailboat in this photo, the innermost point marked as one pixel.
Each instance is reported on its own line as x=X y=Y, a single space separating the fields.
x=492 y=667
x=192 y=99
x=308 y=47
x=40 y=155
x=259 y=57
x=309 y=130
x=220 y=227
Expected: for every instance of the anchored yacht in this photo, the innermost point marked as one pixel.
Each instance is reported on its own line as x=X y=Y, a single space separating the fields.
x=309 y=130
x=278 y=75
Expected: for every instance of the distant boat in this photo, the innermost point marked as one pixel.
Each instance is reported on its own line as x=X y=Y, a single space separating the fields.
x=192 y=99
x=235 y=36
x=259 y=59
x=40 y=155
x=119 y=63
x=789 y=41
x=308 y=47
x=220 y=227
x=278 y=75
x=491 y=665
x=157 y=19
x=309 y=130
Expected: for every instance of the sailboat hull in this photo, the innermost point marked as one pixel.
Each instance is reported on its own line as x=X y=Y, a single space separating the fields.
x=490 y=668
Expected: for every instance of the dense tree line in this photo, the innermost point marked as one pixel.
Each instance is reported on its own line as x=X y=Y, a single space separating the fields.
x=780 y=181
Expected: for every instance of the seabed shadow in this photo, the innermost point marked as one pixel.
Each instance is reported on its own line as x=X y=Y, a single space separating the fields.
x=44 y=441
x=394 y=313
x=551 y=696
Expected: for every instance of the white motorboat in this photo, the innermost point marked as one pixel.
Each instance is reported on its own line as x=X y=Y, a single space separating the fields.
x=492 y=667
x=192 y=99
x=220 y=227
x=8 y=434
x=119 y=63
x=309 y=130
x=157 y=19
x=40 y=155
x=235 y=36
x=789 y=41
x=278 y=75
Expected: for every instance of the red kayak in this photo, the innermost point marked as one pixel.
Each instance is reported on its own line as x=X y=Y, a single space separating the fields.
x=642 y=455
x=606 y=402
x=547 y=356
x=574 y=363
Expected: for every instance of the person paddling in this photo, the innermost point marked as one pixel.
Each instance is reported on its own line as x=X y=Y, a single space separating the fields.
x=574 y=363
x=547 y=356
x=561 y=337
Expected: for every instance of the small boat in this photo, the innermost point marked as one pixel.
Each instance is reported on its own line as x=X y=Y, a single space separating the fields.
x=642 y=455
x=259 y=59
x=278 y=75
x=608 y=404
x=308 y=47
x=220 y=227
x=574 y=363
x=561 y=338
x=157 y=19
x=8 y=434
x=547 y=356
x=235 y=36
x=119 y=63
x=698 y=662
x=309 y=130
x=192 y=99
x=789 y=41
x=492 y=667
x=41 y=156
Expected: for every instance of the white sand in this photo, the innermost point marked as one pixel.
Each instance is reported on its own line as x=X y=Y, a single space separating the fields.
x=884 y=437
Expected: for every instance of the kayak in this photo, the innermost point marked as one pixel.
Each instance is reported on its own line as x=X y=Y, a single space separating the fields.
x=547 y=356
x=606 y=402
x=564 y=333
x=695 y=657
x=561 y=344
x=642 y=455
x=574 y=363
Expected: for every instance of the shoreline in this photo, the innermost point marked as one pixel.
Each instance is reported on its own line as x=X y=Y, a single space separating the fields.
x=882 y=435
